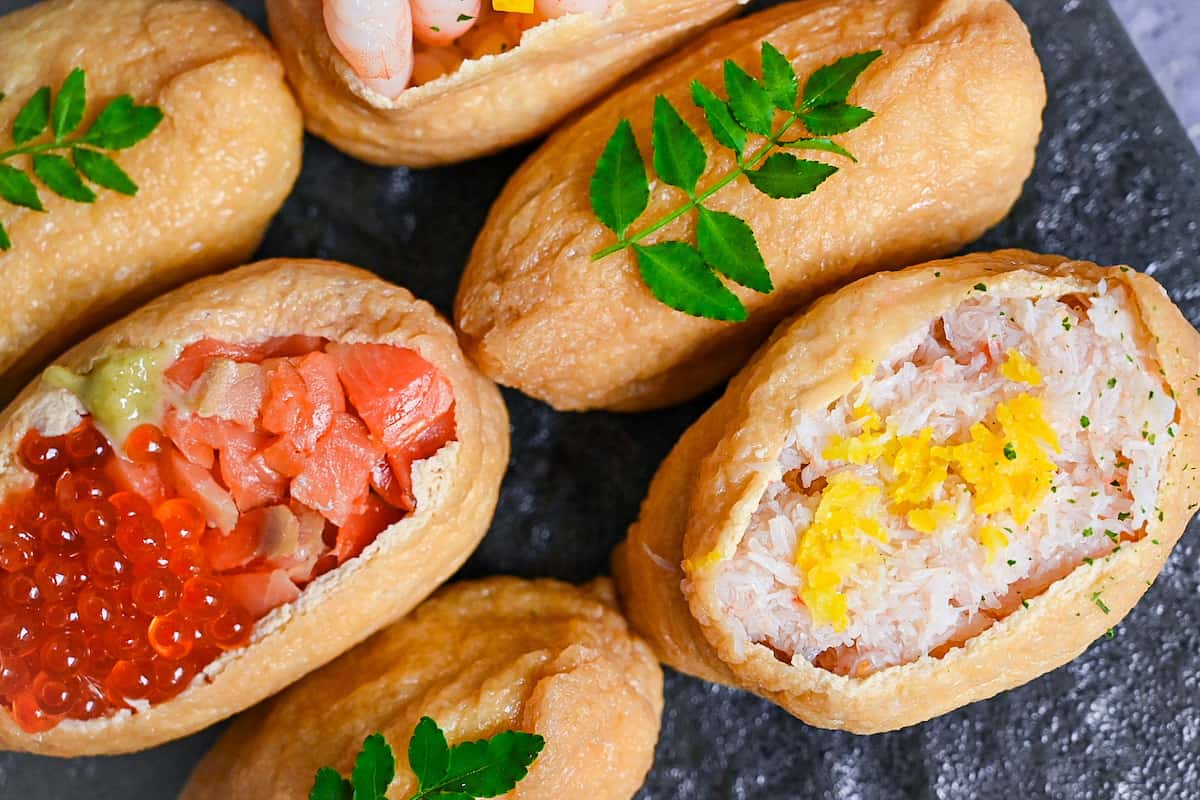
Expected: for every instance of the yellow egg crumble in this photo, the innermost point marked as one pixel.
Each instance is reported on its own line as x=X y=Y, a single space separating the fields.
x=1004 y=465
x=839 y=539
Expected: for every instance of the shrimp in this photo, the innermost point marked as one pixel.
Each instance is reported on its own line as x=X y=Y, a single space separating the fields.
x=440 y=22
x=552 y=9
x=375 y=38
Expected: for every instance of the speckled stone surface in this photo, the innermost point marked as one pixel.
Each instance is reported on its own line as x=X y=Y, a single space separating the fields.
x=1116 y=181
x=1167 y=34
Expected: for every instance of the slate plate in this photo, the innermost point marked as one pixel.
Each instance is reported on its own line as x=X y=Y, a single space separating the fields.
x=1117 y=182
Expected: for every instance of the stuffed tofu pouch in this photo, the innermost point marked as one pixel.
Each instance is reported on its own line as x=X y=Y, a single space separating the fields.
x=209 y=178
x=226 y=489
x=935 y=485
x=957 y=97
x=425 y=82
x=480 y=657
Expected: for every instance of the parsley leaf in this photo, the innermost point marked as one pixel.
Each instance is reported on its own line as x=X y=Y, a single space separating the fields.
x=677 y=276
x=684 y=276
x=832 y=84
x=726 y=130
x=748 y=99
x=784 y=175
x=679 y=157
x=329 y=785
x=121 y=124
x=620 y=190
x=374 y=769
x=727 y=244
x=468 y=770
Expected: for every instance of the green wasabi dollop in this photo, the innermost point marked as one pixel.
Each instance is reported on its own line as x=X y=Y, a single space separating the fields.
x=123 y=390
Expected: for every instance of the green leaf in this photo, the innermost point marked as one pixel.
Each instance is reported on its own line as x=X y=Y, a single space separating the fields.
x=32 y=118
x=374 y=768
x=69 y=105
x=727 y=130
x=58 y=174
x=835 y=119
x=677 y=276
x=619 y=189
x=491 y=767
x=779 y=77
x=329 y=785
x=5 y=242
x=784 y=175
x=103 y=171
x=18 y=189
x=833 y=82
x=827 y=145
x=727 y=243
x=428 y=753
x=122 y=124
x=679 y=157
x=748 y=99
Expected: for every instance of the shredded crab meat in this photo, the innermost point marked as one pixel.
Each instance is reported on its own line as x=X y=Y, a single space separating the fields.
x=921 y=593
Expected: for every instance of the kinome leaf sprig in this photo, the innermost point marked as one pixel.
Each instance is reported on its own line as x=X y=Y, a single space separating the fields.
x=483 y=768
x=121 y=124
x=683 y=275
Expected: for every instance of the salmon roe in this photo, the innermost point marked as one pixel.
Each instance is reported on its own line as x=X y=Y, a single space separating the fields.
x=123 y=575
x=94 y=611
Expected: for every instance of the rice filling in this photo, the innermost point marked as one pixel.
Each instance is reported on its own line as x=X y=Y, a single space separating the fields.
x=992 y=453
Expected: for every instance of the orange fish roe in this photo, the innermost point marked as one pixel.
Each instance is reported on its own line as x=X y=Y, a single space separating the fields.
x=117 y=585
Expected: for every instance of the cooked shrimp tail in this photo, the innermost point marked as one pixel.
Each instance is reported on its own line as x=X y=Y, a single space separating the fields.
x=375 y=37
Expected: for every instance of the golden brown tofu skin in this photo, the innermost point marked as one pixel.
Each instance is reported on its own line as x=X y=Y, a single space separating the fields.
x=699 y=503
x=487 y=104
x=958 y=96
x=479 y=657
x=455 y=489
x=209 y=178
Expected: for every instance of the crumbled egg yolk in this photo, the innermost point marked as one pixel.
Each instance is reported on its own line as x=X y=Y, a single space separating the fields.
x=1017 y=368
x=1005 y=465
x=839 y=539
x=993 y=539
x=519 y=6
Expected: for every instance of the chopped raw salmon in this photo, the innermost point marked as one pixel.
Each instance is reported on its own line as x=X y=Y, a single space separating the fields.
x=360 y=529
x=336 y=476
x=245 y=471
x=407 y=404
x=196 y=356
x=230 y=391
x=303 y=395
x=259 y=592
x=197 y=484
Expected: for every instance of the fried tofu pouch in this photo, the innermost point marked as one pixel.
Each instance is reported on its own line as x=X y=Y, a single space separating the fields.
x=747 y=541
x=958 y=96
x=454 y=489
x=486 y=104
x=209 y=178
x=478 y=657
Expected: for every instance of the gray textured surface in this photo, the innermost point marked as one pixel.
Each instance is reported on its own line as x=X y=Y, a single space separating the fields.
x=1116 y=181
x=1167 y=34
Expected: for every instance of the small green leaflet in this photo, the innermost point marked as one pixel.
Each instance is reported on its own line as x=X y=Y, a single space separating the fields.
x=688 y=277
x=679 y=157
x=119 y=125
x=619 y=189
x=678 y=277
x=468 y=770
x=785 y=176
x=58 y=173
x=832 y=84
x=69 y=105
x=374 y=769
x=725 y=128
x=727 y=244
x=779 y=77
x=32 y=118
x=834 y=119
x=329 y=785
x=748 y=99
